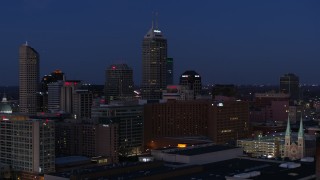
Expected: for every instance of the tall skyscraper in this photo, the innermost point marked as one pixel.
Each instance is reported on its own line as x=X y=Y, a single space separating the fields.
x=170 y=71
x=193 y=80
x=154 y=64
x=289 y=83
x=29 y=61
x=119 y=82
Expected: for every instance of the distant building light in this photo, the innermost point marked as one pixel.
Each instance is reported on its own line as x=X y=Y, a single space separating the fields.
x=182 y=145
x=196 y=76
x=157 y=31
x=184 y=76
x=220 y=104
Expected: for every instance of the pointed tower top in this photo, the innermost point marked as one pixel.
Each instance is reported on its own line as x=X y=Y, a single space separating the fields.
x=301 y=131
x=288 y=131
x=154 y=31
x=4 y=98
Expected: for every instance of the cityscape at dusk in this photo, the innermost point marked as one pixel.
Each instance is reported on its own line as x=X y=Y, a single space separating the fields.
x=225 y=41
x=115 y=90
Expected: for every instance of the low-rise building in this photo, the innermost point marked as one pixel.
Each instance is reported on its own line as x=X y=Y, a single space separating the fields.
x=201 y=154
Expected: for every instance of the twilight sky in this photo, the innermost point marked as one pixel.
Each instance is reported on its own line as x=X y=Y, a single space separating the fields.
x=226 y=41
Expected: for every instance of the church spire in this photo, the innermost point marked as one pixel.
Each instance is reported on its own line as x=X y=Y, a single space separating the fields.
x=288 y=131
x=301 y=132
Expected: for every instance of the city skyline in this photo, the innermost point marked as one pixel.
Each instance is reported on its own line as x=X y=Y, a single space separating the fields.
x=225 y=42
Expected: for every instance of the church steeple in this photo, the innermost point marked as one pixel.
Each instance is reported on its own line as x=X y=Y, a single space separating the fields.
x=301 y=143
x=288 y=131
x=287 y=139
x=301 y=131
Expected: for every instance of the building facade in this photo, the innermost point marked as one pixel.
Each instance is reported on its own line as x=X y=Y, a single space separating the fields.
x=154 y=64
x=129 y=119
x=177 y=92
x=67 y=91
x=289 y=83
x=193 y=80
x=170 y=71
x=230 y=121
x=43 y=95
x=220 y=122
x=119 y=82
x=175 y=119
x=82 y=104
x=87 y=139
x=28 y=145
x=54 y=95
x=29 y=67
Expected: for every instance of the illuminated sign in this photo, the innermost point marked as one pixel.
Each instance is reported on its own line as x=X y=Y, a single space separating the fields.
x=157 y=31
x=182 y=145
x=196 y=76
x=184 y=76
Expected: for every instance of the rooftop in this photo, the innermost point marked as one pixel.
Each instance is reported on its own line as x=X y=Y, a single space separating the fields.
x=201 y=150
x=71 y=159
x=267 y=169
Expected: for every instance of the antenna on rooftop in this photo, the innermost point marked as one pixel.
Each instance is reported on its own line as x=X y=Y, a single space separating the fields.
x=157 y=20
x=152 y=19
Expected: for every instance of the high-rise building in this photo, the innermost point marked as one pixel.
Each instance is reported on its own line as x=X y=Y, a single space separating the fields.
x=119 y=82
x=193 y=80
x=82 y=102
x=56 y=75
x=129 y=119
x=289 y=83
x=28 y=145
x=169 y=71
x=230 y=121
x=54 y=94
x=29 y=66
x=154 y=64
x=87 y=139
x=67 y=92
